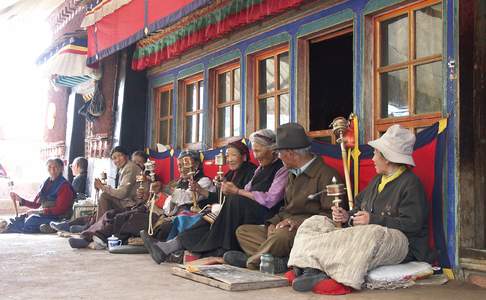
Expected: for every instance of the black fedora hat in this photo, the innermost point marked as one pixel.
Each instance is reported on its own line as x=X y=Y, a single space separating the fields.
x=292 y=136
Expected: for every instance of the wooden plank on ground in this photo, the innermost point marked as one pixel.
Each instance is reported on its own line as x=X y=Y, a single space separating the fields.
x=230 y=278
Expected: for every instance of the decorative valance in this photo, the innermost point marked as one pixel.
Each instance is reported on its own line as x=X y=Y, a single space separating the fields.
x=68 y=58
x=208 y=23
x=130 y=21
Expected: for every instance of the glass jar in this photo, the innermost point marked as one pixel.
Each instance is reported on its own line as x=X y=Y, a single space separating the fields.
x=267 y=264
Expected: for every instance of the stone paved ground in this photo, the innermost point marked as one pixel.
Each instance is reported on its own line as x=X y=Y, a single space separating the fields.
x=45 y=267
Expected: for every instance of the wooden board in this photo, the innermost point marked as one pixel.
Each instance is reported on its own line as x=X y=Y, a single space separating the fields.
x=231 y=278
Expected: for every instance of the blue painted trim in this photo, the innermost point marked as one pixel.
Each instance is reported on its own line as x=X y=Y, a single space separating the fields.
x=376 y=5
x=293 y=79
x=163 y=81
x=192 y=70
x=225 y=58
x=452 y=179
x=325 y=22
x=268 y=42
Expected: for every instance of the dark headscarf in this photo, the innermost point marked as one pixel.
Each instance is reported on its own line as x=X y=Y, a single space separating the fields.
x=241 y=147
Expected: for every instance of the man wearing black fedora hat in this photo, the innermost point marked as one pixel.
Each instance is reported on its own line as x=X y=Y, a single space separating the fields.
x=308 y=174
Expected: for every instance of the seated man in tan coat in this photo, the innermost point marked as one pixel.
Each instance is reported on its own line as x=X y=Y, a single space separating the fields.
x=125 y=194
x=308 y=174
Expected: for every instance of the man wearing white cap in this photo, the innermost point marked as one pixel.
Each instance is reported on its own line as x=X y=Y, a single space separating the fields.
x=387 y=226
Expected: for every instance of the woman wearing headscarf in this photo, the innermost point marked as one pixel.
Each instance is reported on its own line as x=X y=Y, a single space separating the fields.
x=251 y=204
x=388 y=224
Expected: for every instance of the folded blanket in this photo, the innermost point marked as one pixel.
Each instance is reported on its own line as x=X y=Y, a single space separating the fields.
x=347 y=254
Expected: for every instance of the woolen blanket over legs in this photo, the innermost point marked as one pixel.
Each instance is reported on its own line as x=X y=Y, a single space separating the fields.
x=347 y=254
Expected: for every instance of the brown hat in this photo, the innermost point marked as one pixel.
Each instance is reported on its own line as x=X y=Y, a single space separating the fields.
x=292 y=136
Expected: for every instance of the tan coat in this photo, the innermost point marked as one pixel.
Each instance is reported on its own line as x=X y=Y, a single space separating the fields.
x=126 y=192
x=296 y=204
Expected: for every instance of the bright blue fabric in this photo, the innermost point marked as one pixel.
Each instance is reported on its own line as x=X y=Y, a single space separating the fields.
x=182 y=223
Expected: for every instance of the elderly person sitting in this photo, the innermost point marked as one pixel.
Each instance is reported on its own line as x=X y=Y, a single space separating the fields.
x=388 y=224
x=246 y=203
x=307 y=175
x=125 y=194
x=52 y=203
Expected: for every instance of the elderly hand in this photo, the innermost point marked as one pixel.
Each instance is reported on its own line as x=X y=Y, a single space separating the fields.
x=195 y=187
x=361 y=218
x=270 y=229
x=229 y=188
x=15 y=197
x=292 y=224
x=98 y=184
x=339 y=214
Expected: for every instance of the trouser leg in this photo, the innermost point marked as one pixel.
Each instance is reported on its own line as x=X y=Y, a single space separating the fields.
x=32 y=223
x=255 y=242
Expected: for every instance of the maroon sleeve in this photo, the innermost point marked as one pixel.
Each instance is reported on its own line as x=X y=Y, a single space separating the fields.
x=64 y=202
x=31 y=204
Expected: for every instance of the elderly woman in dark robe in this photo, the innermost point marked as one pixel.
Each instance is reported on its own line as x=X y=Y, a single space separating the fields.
x=388 y=224
x=52 y=203
x=250 y=203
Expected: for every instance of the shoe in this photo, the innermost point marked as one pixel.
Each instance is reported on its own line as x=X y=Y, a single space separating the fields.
x=150 y=244
x=280 y=264
x=235 y=258
x=78 y=243
x=60 y=226
x=309 y=278
x=46 y=228
x=99 y=242
x=77 y=228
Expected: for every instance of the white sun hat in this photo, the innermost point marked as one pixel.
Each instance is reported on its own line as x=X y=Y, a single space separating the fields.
x=396 y=145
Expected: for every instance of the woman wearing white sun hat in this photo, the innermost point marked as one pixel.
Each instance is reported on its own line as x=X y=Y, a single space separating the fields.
x=387 y=226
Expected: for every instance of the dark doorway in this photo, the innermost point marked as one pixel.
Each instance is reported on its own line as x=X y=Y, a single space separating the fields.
x=472 y=132
x=331 y=80
x=76 y=127
x=133 y=102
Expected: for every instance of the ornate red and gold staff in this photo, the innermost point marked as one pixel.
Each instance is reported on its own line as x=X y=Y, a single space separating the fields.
x=339 y=127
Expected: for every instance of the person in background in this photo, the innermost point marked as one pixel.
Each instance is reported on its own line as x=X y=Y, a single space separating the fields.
x=79 y=167
x=53 y=202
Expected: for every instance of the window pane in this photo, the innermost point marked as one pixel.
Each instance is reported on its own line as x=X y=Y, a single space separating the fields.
x=164 y=132
x=266 y=76
x=394 y=40
x=428 y=88
x=284 y=109
x=191 y=129
x=284 y=75
x=165 y=100
x=224 y=87
x=201 y=95
x=267 y=113
x=237 y=84
x=428 y=30
x=201 y=124
x=394 y=94
x=191 y=97
x=236 y=120
x=224 y=122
